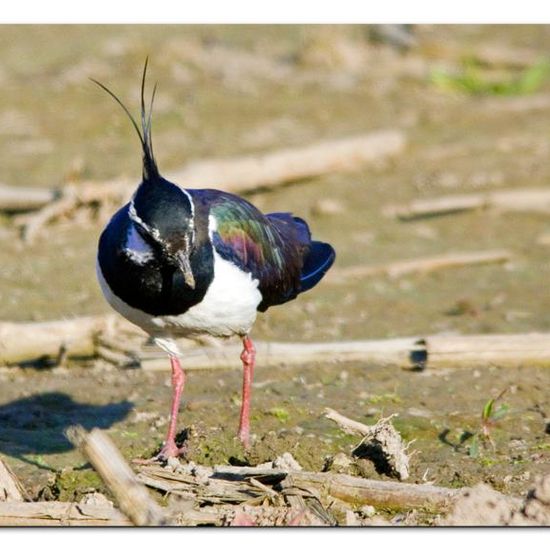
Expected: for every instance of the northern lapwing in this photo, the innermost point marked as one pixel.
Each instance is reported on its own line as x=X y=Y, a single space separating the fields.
x=186 y=262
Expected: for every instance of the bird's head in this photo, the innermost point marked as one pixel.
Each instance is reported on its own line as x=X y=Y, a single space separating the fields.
x=161 y=212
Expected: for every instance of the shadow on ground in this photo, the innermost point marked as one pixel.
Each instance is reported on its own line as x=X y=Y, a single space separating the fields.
x=36 y=425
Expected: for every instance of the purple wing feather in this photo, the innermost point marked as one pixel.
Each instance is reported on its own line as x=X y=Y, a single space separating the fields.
x=274 y=248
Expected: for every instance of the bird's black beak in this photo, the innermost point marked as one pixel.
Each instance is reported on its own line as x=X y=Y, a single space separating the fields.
x=182 y=261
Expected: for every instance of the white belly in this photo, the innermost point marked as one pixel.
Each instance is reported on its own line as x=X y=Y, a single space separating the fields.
x=228 y=308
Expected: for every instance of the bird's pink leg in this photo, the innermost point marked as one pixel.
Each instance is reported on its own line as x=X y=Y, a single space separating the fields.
x=248 y=357
x=178 y=381
x=170 y=449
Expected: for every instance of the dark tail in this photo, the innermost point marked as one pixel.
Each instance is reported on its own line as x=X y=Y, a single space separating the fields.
x=318 y=259
x=317 y=262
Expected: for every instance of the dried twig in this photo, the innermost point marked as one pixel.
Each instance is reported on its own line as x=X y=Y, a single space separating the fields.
x=91 y=336
x=434 y=351
x=10 y=487
x=59 y=513
x=292 y=164
x=202 y=490
x=31 y=341
x=511 y=200
x=358 y=491
x=382 y=494
x=239 y=174
x=23 y=199
x=131 y=495
x=33 y=223
x=207 y=515
x=347 y=424
x=274 y=354
x=419 y=265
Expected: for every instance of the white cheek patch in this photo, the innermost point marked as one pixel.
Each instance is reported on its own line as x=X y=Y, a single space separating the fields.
x=136 y=248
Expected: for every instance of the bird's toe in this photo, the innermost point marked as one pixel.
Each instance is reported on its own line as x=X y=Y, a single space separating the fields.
x=169 y=450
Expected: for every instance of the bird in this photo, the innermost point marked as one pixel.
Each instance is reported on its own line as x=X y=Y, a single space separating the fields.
x=181 y=262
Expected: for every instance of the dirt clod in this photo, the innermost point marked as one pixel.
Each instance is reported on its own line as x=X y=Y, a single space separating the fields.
x=286 y=462
x=340 y=463
x=384 y=446
x=481 y=505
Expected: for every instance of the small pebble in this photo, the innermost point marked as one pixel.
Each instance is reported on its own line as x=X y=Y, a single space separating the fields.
x=173 y=462
x=352 y=519
x=286 y=462
x=96 y=499
x=340 y=462
x=367 y=511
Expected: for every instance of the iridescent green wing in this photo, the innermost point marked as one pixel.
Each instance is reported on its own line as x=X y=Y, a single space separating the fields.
x=269 y=247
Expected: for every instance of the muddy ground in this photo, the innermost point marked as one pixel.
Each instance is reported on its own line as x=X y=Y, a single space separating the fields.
x=234 y=90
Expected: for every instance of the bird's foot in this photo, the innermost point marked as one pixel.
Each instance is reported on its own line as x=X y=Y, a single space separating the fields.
x=244 y=437
x=169 y=450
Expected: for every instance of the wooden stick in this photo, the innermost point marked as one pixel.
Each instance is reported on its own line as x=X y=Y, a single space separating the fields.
x=419 y=265
x=10 y=487
x=207 y=515
x=31 y=341
x=435 y=351
x=34 y=223
x=207 y=490
x=59 y=513
x=242 y=472
x=24 y=199
x=505 y=350
x=239 y=175
x=347 y=424
x=251 y=172
x=132 y=496
x=512 y=200
x=70 y=198
x=116 y=358
x=358 y=491
x=381 y=494
x=27 y=341
x=274 y=354
x=82 y=336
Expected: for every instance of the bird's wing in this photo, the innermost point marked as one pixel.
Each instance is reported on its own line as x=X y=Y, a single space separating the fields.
x=247 y=237
x=269 y=247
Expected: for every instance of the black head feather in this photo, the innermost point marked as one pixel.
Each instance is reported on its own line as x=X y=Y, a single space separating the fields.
x=150 y=169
